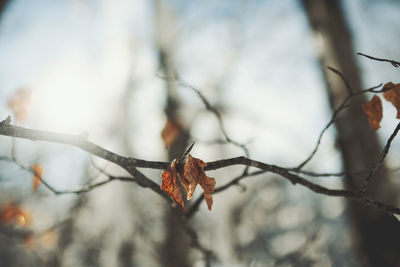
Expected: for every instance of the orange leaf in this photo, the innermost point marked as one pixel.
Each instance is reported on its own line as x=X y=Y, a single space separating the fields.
x=373 y=109
x=170 y=184
x=19 y=104
x=393 y=95
x=11 y=213
x=170 y=132
x=194 y=174
x=37 y=176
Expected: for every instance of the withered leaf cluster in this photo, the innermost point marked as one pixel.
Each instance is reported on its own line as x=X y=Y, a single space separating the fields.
x=191 y=175
x=373 y=108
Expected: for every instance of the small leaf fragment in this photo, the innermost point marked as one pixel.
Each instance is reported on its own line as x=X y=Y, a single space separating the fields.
x=393 y=95
x=170 y=132
x=37 y=176
x=170 y=184
x=397 y=216
x=12 y=213
x=194 y=174
x=373 y=109
x=19 y=104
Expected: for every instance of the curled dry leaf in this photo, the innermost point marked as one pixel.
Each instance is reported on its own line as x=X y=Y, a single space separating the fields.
x=170 y=184
x=12 y=213
x=393 y=95
x=373 y=109
x=170 y=132
x=37 y=176
x=19 y=104
x=194 y=174
x=190 y=176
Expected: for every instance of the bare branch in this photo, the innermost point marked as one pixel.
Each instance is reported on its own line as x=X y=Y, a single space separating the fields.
x=130 y=165
x=296 y=179
x=336 y=112
x=213 y=110
x=235 y=181
x=379 y=164
x=83 y=189
x=395 y=64
x=341 y=75
x=325 y=174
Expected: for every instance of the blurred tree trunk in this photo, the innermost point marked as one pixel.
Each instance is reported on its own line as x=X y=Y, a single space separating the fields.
x=375 y=235
x=175 y=250
x=3 y=5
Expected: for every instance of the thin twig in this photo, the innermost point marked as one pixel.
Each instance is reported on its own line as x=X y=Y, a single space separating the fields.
x=394 y=63
x=379 y=164
x=186 y=153
x=218 y=115
x=83 y=189
x=325 y=174
x=235 y=181
x=129 y=164
x=336 y=112
x=341 y=75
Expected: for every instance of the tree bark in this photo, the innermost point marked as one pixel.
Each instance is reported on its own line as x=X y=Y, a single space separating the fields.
x=376 y=235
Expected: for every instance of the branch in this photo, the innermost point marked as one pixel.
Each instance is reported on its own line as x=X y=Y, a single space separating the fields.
x=130 y=165
x=235 y=181
x=379 y=164
x=214 y=110
x=341 y=75
x=336 y=112
x=395 y=64
x=83 y=189
x=296 y=179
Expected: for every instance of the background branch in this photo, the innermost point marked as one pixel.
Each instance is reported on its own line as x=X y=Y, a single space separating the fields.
x=129 y=164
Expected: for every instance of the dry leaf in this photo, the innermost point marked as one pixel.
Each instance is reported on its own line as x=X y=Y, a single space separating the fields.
x=393 y=95
x=189 y=177
x=194 y=174
x=170 y=184
x=19 y=104
x=170 y=132
x=373 y=109
x=11 y=213
x=37 y=176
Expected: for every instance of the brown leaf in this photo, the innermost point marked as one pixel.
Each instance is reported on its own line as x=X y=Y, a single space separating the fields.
x=19 y=104
x=393 y=95
x=37 y=176
x=194 y=174
x=170 y=184
x=170 y=132
x=11 y=213
x=373 y=109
